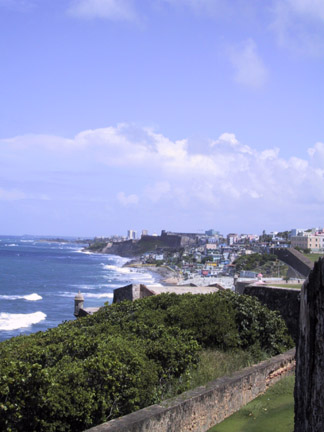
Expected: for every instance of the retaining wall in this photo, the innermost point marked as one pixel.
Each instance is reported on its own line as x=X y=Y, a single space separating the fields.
x=284 y=300
x=294 y=259
x=199 y=409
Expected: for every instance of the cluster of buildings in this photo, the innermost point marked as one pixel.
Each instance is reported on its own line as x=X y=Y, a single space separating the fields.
x=212 y=254
x=207 y=254
x=310 y=239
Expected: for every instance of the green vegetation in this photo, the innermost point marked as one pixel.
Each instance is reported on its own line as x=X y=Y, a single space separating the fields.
x=288 y=285
x=283 y=234
x=306 y=251
x=135 y=247
x=313 y=256
x=214 y=364
x=267 y=264
x=274 y=410
x=125 y=357
x=97 y=246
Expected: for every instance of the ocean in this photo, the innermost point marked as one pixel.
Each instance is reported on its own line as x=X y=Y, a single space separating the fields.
x=39 y=279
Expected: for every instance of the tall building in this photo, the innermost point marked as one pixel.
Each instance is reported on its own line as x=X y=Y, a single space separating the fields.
x=131 y=235
x=232 y=238
x=144 y=232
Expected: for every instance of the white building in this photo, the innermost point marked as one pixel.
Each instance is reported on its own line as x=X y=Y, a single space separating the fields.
x=131 y=235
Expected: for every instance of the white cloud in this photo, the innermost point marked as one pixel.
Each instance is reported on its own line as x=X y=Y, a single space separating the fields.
x=127 y=200
x=298 y=25
x=116 y=10
x=311 y=8
x=229 y=176
x=248 y=65
x=229 y=139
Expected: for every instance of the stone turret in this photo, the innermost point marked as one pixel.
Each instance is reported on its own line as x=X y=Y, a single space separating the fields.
x=78 y=303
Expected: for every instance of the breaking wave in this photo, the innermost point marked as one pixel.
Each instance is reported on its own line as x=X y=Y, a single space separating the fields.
x=29 y=297
x=88 y=295
x=10 y=321
x=124 y=270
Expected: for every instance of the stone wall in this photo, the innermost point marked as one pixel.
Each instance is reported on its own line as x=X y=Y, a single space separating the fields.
x=199 y=409
x=284 y=300
x=131 y=292
x=309 y=384
x=123 y=293
x=294 y=259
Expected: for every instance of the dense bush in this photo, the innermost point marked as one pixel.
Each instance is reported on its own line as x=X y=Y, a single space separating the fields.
x=124 y=357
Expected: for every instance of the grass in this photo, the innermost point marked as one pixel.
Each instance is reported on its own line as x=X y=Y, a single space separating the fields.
x=274 y=410
x=212 y=364
x=215 y=364
x=288 y=285
x=314 y=256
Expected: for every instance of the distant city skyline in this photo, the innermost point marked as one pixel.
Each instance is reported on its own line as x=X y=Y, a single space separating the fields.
x=185 y=114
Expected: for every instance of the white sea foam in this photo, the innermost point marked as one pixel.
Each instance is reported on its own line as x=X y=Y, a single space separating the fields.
x=27 y=241
x=85 y=252
x=82 y=287
x=103 y=295
x=11 y=245
x=33 y=297
x=87 y=295
x=9 y=321
x=123 y=270
x=29 y=297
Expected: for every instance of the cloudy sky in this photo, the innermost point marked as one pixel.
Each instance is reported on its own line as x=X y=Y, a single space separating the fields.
x=161 y=114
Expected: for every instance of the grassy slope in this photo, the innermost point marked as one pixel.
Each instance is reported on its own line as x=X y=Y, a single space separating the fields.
x=274 y=410
x=213 y=364
x=314 y=256
x=283 y=285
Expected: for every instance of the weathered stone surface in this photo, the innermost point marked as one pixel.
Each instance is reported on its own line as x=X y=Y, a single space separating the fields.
x=134 y=292
x=283 y=300
x=294 y=259
x=199 y=409
x=309 y=387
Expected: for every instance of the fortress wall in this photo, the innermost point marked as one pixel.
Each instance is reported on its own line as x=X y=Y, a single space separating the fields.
x=309 y=383
x=123 y=293
x=199 y=409
x=294 y=259
x=284 y=300
x=131 y=292
x=145 y=292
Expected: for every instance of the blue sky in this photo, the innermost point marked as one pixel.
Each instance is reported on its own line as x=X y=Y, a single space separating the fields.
x=152 y=114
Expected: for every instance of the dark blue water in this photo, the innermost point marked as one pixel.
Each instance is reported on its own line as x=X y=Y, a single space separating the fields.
x=38 y=282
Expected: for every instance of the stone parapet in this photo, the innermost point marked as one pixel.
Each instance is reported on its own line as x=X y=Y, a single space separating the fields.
x=199 y=409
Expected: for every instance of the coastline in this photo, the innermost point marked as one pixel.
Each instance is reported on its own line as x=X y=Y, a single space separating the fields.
x=163 y=275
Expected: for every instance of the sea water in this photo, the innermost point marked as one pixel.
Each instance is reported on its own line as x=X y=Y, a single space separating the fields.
x=39 y=279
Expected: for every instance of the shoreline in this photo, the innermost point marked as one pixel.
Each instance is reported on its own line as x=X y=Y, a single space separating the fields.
x=166 y=276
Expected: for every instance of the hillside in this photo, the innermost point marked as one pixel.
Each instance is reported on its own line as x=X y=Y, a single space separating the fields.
x=133 y=248
x=267 y=264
